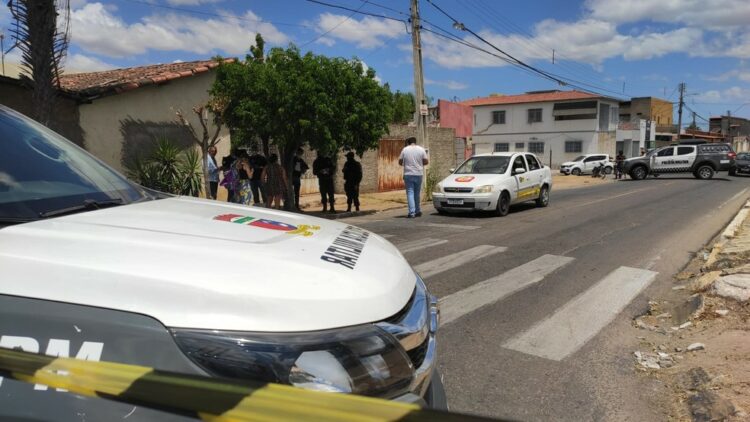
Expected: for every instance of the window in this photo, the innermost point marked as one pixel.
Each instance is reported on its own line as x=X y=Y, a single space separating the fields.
x=533 y=162
x=591 y=116
x=667 y=152
x=604 y=117
x=484 y=165
x=594 y=158
x=535 y=115
x=685 y=150
x=498 y=117
x=502 y=147
x=536 y=147
x=520 y=146
x=573 y=146
x=519 y=163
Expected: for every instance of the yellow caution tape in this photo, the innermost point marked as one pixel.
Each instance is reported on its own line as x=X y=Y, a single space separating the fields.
x=210 y=399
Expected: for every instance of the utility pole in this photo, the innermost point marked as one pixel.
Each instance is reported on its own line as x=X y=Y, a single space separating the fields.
x=420 y=116
x=2 y=51
x=679 y=110
x=694 y=126
x=729 y=126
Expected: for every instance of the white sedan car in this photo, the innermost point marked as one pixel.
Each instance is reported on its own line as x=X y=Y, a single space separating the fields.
x=492 y=182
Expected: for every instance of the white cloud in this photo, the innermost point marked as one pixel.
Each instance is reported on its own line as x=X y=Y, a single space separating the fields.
x=191 y=2
x=75 y=63
x=326 y=41
x=368 y=32
x=452 y=85
x=96 y=29
x=709 y=14
x=728 y=95
x=740 y=74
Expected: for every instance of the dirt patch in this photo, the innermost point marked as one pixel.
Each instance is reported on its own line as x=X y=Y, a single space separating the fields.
x=712 y=382
x=562 y=182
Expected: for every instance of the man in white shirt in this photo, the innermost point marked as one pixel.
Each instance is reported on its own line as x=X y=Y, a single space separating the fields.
x=413 y=158
x=213 y=172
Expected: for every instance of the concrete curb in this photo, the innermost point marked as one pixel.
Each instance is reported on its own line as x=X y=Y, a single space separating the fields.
x=729 y=233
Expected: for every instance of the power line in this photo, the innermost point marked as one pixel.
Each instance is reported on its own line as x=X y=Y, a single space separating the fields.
x=217 y=15
x=336 y=26
x=548 y=75
x=338 y=6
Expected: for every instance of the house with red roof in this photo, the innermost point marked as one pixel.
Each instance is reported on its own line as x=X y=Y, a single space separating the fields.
x=555 y=125
x=118 y=114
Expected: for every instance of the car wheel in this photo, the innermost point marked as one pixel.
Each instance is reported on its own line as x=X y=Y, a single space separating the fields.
x=543 y=199
x=608 y=170
x=733 y=172
x=503 y=205
x=576 y=172
x=435 y=396
x=704 y=172
x=638 y=173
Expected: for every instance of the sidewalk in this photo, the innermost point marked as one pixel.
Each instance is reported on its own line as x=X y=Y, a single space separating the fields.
x=696 y=340
x=384 y=201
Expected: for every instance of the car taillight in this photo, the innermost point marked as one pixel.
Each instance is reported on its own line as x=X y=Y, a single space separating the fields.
x=732 y=155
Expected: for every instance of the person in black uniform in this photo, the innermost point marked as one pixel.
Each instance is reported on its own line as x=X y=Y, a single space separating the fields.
x=352 y=178
x=300 y=167
x=323 y=168
x=258 y=163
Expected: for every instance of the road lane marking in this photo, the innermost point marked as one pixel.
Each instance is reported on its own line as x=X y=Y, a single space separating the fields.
x=740 y=193
x=450 y=226
x=611 y=197
x=416 y=245
x=579 y=320
x=456 y=305
x=448 y=262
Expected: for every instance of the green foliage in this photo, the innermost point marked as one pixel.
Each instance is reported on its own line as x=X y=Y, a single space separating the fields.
x=434 y=176
x=403 y=107
x=169 y=170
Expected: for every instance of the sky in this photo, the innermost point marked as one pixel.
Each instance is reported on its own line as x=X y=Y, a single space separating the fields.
x=614 y=47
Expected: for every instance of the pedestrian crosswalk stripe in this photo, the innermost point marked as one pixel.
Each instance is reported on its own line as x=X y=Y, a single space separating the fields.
x=458 y=304
x=448 y=262
x=450 y=226
x=579 y=320
x=416 y=245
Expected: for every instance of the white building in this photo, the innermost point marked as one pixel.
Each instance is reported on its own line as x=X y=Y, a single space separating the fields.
x=634 y=136
x=557 y=126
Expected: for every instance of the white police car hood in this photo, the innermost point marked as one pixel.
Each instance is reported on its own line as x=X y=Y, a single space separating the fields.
x=471 y=180
x=206 y=264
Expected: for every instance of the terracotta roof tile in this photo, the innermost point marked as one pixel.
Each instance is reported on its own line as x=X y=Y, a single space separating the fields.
x=532 y=97
x=120 y=80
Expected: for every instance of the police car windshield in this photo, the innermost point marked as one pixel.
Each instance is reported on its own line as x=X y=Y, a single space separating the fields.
x=484 y=165
x=42 y=174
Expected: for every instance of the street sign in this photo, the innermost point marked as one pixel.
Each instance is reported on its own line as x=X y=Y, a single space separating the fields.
x=423 y=109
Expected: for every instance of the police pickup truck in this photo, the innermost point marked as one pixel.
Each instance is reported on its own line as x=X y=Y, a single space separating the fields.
x=98 y=268
x=701 y=160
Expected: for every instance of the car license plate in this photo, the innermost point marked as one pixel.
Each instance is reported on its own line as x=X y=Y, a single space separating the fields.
x=455 y=202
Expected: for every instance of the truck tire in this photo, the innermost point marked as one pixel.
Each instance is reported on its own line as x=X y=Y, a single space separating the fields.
x=435 y=396
x=638 y=172
x=503 y=205
x=733 y=171
x=576 y=172
x=704 y=172
x=543 y=199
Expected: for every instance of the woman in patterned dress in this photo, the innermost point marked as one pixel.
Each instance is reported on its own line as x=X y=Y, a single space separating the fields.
x=245 y=173
x=274 y=179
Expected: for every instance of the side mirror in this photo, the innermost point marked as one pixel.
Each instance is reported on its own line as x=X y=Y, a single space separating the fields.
x=519 y=170
x=451 y=170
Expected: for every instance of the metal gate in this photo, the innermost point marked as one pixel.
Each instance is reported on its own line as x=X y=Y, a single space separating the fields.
x=390 y=173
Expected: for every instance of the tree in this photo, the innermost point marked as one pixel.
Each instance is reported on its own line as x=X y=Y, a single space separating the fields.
x=169 y=170
x=43 y=42
x=403 y=107
x=215 y=107
x=326 y=103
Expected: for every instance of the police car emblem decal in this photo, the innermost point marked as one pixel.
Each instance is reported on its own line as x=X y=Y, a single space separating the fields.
x=305 y=230
x=464 y=179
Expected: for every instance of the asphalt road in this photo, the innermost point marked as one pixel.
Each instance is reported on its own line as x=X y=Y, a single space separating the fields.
x=538 y=305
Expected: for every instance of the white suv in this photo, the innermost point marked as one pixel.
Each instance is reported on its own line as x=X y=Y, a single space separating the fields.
x=586 y=164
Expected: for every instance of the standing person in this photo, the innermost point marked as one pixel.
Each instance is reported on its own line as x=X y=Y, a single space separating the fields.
x=643 y=152
x=352 y=178
x=213 y=172
x=300 y=167
x=229 y=182
x=323 y=168
x=258 y=162
x=244 y=194
x=274 y=179
x=619 y=160
x=413 y=158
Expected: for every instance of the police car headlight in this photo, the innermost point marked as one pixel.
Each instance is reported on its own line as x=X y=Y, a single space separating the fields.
x=362 y=360
x=438 y=188
x=484 y=189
